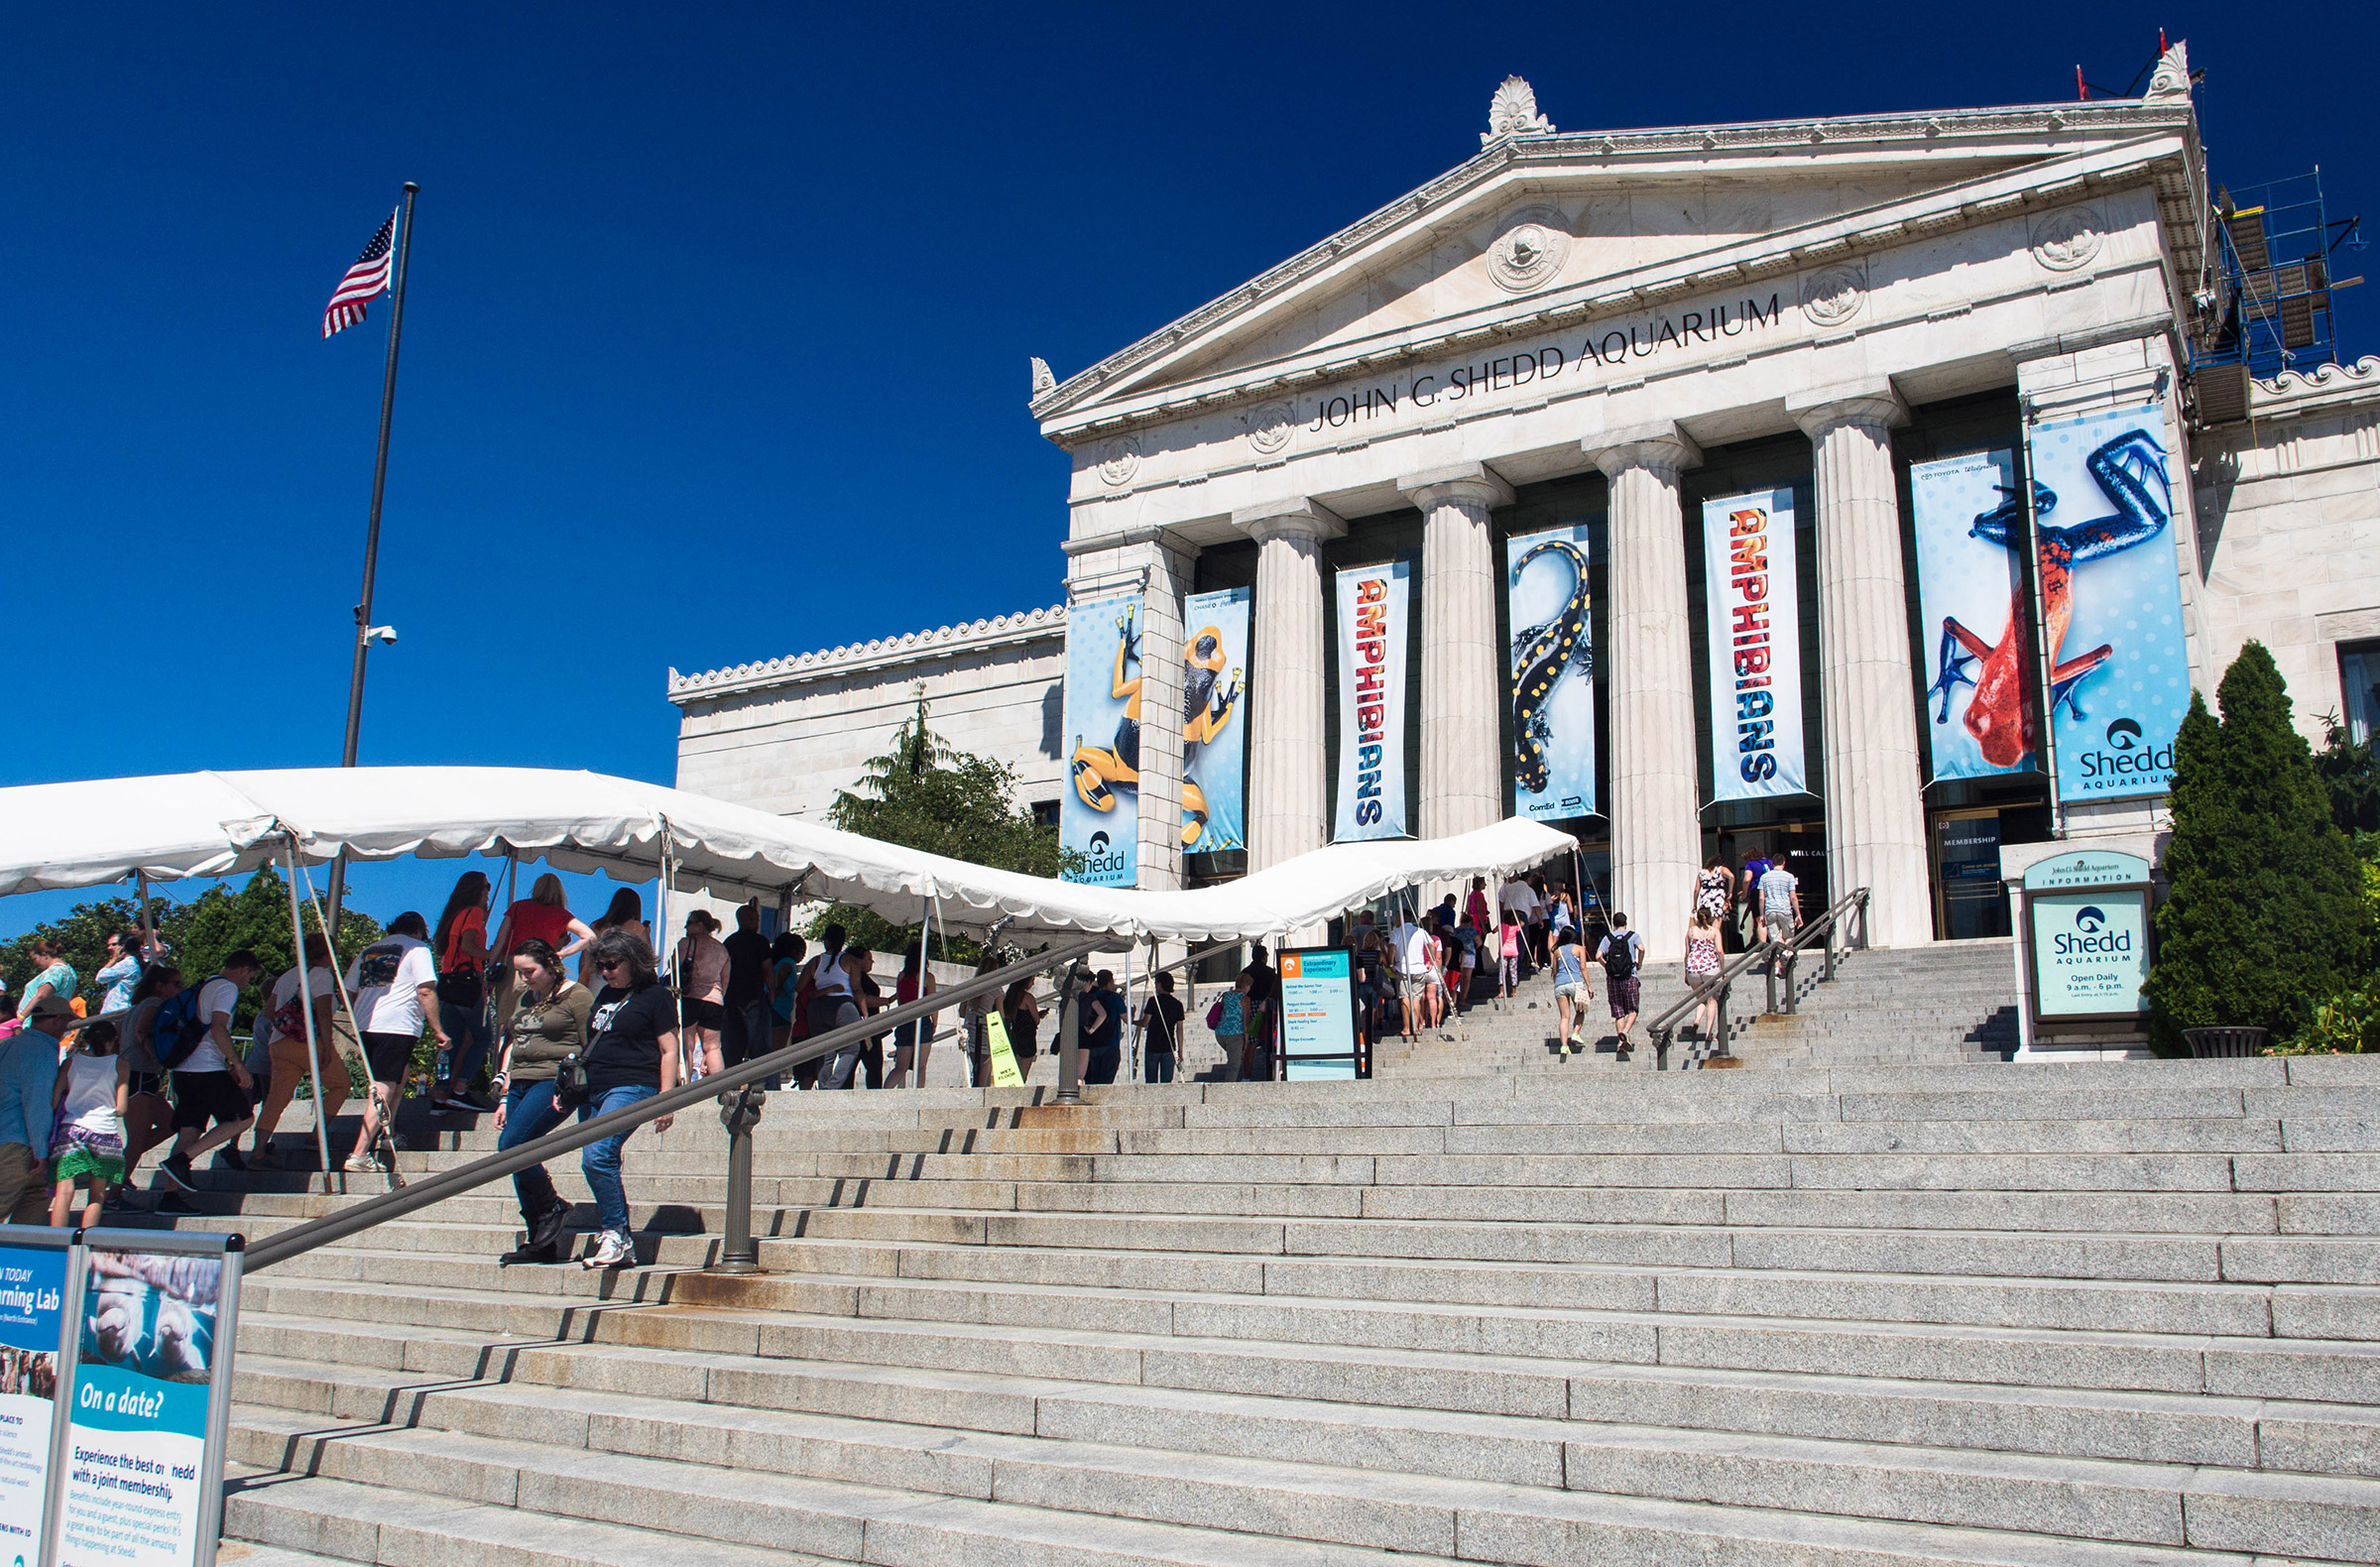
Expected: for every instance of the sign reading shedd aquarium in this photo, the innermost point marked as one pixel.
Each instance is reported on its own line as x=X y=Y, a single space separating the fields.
x=2110 y=601
x=1986 y=702
x=2087 y=921
x=1099 y=817
x=1214 y=733
x=1553 y=675
x=1753 y=603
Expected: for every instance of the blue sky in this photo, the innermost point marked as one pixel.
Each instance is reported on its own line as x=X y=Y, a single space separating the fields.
x=717 y=334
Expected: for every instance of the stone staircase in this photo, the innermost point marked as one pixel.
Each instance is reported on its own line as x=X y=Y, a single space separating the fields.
x=1947 y=1004
x=2106 y=1315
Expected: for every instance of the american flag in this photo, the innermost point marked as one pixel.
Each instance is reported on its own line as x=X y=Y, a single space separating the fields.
x=364 y=281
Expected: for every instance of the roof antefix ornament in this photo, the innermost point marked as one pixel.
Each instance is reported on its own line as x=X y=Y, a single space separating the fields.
x=1513 y=112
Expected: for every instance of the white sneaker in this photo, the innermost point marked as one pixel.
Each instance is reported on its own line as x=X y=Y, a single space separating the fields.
x=366 y=1165
x=611 y=1250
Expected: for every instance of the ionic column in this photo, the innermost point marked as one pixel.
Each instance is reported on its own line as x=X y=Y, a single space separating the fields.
x=1288 y=791
x=1462 y=688
x=1875 y=805
x=1656 y=830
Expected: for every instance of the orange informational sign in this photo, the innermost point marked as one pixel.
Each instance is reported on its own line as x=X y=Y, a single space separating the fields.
x=1318 y=1015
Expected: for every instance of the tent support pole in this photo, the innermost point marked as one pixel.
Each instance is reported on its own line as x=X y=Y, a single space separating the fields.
x=306 y=1001
x=338 y=980
x=1070 y=1032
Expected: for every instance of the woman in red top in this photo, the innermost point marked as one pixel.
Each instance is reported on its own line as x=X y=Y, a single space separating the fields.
x=543 y=915
x=460 y=946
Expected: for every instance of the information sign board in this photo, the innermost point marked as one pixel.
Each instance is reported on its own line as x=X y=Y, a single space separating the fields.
x=2086 y=928
x=136 y=1473
x=33 y=1283
x=1318 y=1016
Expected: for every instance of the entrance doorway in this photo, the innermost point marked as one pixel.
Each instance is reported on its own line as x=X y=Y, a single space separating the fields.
x=1966 y=850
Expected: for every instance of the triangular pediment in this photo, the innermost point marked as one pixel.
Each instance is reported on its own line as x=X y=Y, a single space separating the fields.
x=1545 y=221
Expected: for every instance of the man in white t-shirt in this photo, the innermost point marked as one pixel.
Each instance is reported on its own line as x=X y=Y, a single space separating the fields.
x=395 y=984
x=210 y=1084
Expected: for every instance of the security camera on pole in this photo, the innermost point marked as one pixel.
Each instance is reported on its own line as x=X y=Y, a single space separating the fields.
x=371 y=273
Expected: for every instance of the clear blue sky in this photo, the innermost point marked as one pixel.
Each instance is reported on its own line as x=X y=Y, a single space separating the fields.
x=719 y=317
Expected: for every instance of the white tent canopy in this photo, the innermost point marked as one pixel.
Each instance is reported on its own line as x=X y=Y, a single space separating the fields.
x=65 y=835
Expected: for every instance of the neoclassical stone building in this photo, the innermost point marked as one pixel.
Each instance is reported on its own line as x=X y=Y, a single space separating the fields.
x=1604 y=330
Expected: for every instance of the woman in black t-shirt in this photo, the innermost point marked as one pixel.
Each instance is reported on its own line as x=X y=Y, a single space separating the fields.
x=1160 y=1029
x=630 y=1056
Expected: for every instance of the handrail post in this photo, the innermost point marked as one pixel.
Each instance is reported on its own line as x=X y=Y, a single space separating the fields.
x=1661 y=1048
x=1724 y=992
x=740 y=1112
x=1771 y=969
x=1826 y=967
x=1793 y=956
x=1070 y=1035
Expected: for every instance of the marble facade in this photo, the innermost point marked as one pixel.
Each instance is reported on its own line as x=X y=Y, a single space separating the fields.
x=1621 y=309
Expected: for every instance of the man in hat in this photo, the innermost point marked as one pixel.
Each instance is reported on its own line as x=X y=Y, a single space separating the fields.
x=27 y=1087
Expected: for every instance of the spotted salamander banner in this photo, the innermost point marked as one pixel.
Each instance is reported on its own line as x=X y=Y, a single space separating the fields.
x=2111 y=589
x=1754 y=611
x=1552 y=675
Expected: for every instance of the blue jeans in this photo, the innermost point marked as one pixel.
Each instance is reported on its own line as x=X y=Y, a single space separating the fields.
x=600 y=1162
x=1157 y=1065
x=468 y=1034
x=530 y=1112
x=1101 y=1062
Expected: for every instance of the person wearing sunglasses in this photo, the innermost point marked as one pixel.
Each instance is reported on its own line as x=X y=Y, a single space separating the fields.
x=630 y=1056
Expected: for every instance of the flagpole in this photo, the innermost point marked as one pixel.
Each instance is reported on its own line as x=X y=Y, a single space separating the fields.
x=380 y=479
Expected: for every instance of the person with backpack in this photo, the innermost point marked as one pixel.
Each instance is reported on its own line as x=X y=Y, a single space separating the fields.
x=148 y=1113
x=461 y=942
x=1621 y=953
x=396 y=991
x=193 y=1038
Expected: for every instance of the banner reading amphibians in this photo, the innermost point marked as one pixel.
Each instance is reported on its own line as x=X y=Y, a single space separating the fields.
x=1374 y=609
x=139 y=1483
x=1753 y=608
x=33 y=1281
x=2110 y=601
x=1970 y=583
x=1214 y=729
x=1553 y=675
x=1099 y=817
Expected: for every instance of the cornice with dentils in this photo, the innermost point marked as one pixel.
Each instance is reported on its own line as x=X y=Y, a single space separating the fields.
x=879 y=652
x=1700 y=143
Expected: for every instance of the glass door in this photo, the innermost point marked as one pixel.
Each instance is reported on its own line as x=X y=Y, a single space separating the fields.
x=1967 y=899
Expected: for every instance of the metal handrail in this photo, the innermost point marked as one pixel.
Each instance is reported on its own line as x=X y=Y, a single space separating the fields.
x=1664 y=1028
x=732 y=1088
x=1828 y=925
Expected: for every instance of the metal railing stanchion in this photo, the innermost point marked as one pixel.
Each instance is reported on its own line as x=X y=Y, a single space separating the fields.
x=740 y=1112
x=1070 y=1032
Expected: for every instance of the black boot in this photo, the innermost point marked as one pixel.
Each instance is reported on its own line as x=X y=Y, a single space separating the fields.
x=545 y=1230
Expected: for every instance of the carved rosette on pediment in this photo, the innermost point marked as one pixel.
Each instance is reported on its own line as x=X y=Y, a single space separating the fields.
x=1271 y=428
x=1118 y=461
x=2067 y=239
x=1529 y=249
x=1831 y=295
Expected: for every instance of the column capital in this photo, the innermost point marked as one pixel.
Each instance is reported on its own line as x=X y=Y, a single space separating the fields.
x=1472 y=482
x=1295 y=517
x=1873 y=405
x=1660 y=447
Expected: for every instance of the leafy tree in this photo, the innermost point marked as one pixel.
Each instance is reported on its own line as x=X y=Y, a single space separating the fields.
x=200 y=934
x=2350 y=771
x=925 y=793
x=2265 y=909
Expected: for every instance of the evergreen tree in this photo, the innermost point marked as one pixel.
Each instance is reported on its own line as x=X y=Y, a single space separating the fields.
x=2264 y=912
x=923 y=793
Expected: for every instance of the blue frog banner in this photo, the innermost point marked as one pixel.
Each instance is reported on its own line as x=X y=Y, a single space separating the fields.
x=1099 y=817
x=2110 y=601
x=1214 y=726
x=1982 y=702
x=1552 y=675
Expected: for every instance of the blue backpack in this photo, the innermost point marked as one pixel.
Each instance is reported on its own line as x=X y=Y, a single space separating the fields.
x=179 y=1029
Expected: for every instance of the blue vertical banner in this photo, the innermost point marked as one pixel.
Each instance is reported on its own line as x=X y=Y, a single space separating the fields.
x=1214 y=726
x=2110 y=587
x=1098 y=816
x=1752 y=601
x=1983 y=697
x=1552 y=675
x=1375 y=608
x=33 y=1285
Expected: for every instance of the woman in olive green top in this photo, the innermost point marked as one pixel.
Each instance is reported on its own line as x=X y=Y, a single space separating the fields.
x=549 y=1023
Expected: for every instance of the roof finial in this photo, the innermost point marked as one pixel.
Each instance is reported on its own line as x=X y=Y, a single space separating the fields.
x=1044 y=381
x=1513 y=112
x=2171 y=80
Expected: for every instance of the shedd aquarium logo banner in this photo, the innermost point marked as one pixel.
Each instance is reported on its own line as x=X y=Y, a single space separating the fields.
x=2110 y=601
x=1098 y=816
x=2089 y=952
